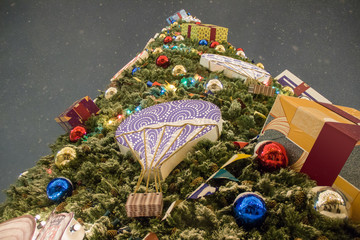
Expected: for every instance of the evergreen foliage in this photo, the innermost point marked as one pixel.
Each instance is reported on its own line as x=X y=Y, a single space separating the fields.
x=103 y=177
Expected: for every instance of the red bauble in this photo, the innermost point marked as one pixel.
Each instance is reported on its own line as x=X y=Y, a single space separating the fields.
x=271 y=156
x=239 y=49
x=214 y=44
x=77 y=133
x=163 y=61
x=168 y=39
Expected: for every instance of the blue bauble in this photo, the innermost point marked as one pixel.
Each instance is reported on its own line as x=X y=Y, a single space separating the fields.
x=203 y=42
x=134 y=70
x=58 y=189
x=249 y=209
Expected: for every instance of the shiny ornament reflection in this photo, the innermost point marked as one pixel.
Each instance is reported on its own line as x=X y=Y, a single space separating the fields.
x=271 y=155
x=249 y=209
x=214 y=85
x=77 y=133
x=331 y=202
x=64 y=156
x=58 y=189
x=178 y=70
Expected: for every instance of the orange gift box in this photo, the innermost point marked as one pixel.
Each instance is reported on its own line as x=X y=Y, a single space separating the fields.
x=321 y=140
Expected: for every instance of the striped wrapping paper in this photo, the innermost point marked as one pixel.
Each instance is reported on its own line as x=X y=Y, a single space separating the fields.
x=144 y=205
x=261 y=89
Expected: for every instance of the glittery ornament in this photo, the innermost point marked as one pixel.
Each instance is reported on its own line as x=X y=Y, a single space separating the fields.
x=178 y=70
x=59 y=188
x=260 y=65
x=214 y=44
x=203 y=42
x=331 y=202
x=249 y=209
x=168 y=39
x=162 y=61
x=214 y=85
x=111 y=91
x=162 y=36
x=220 y=48
x=179 y=38
x=64 y=156
x=157 y=50
x=77 y=133
x=271 y=155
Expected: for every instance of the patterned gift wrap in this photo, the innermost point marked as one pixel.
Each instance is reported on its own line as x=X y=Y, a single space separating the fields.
x=261 y=89
x=176 y=16
x=77 y=113
x=204 y=31
x=144 y=205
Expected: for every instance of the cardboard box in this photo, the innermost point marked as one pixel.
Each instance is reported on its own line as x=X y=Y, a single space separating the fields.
x=261 y=89
x=77 y=113
x=144 y=205
x=321 y=140
x=300 y=88
x=209 y=32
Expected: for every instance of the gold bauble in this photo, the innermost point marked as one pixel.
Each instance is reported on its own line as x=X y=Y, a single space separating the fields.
x=178 y=70
x=64 y=156
x=260 y=65
x=220 y=48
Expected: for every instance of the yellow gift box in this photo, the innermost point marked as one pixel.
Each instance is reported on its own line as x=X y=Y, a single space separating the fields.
x=208 y=32
x=320 y=139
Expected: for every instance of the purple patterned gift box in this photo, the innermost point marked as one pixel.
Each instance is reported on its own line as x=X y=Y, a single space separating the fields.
x=160 y=136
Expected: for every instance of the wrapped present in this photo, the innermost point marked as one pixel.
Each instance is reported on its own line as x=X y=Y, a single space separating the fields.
x=144 y=205
x=77 y=113
x=234 y=68
x=177 y=16
x=204 y=31
x=141 y=56
x=61 y=226
x=301 y=89
x=261 y=89
x=321 y=139
x=20 y=228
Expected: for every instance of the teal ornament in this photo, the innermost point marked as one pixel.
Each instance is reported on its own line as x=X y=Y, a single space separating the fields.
x=175 y=48
x=58 y=189
x=249 y=209
x=203 y=42
x=165 y=46
x=138 y=108
x=163 y=91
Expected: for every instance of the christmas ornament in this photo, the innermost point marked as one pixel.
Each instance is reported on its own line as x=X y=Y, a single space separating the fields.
x=175 y=24
x=271 y=155
x=157 y=50
x=77 y=133
x=188 y=82
x=64 y=156
x=111 y=91
x=135 y=69
x=179 y=38
x=214 y=85
x=161 y=36
x=162 y=61
x=174 y=48
x=178 y=70
x=214 y=44
x=239 y=49
x=241 y=54
x=168 y=39
x=249 y=209
x=59 y=188
x=203 y=42
x=220 y=48
x=260 y=65
x=331 y=202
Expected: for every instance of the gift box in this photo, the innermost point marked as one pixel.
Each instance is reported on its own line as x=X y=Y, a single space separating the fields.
x=261 y=89
x=177 y=16
x=204 y=31
x=77 y=113
x=144 y=205
x=235 y=68
x=301 y=89
x=321 y=140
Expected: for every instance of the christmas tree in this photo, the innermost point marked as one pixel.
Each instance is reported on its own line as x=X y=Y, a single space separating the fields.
x=103 y=177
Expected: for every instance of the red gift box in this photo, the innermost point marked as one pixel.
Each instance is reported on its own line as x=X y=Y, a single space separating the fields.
x=77 y=113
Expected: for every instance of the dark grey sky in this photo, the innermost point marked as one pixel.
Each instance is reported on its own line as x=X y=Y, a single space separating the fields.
x=53 y=53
